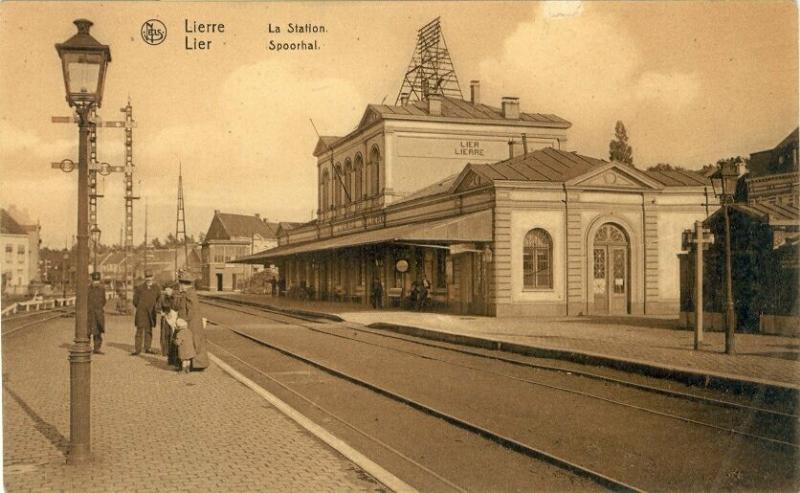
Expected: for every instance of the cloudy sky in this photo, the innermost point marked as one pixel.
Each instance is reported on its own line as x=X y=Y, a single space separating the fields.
x=693 y=82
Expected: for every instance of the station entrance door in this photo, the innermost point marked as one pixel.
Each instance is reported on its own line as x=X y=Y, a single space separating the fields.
x=610 y=285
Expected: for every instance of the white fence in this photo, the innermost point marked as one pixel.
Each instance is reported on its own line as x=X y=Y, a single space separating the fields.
x=40 y=303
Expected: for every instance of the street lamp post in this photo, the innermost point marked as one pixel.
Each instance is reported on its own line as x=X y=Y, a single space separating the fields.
x=95 y=241
x=724 y=182
x=83 y=62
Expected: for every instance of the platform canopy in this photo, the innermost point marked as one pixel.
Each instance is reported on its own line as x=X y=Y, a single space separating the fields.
x=474 y=227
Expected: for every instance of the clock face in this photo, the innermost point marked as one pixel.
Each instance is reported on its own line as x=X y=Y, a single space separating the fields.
x=401 y=265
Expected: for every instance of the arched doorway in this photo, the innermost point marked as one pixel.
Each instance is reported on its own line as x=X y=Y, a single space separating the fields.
x=610 y=270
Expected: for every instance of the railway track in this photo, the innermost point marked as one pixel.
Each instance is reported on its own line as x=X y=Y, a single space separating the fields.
x=355 y=335
x=788 y=418
x=12 y=325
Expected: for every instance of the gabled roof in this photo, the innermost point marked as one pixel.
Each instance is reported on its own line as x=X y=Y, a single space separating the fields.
x=458 y=108
x=227 y=226
x=772 y=214
x=441 y=186
x=679 y=178
x=285 y=226
x=557 y=166
x=325 y=143
x=8 y=226
x=453 y=110
x=543 y=165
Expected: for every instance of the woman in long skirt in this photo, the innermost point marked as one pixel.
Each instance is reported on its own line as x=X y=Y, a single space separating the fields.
x=166 y=305
x=188 y=307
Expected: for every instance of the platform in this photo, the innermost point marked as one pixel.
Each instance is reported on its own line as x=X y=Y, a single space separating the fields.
x=153 y=429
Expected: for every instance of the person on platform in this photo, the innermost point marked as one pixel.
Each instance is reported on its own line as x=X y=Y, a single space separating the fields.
x=184 y=345
x=274 y=285
x=97 y=319
x=166 y=306
x=145 y=300
x=422 y=287
x=376 y=293
x=188 y=307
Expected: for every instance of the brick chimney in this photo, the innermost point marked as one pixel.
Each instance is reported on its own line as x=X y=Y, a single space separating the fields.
x=435 y=104
x=403 y=99
x=510 y=108
x=475 y=91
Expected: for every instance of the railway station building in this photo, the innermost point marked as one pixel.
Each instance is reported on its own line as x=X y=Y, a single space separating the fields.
x=487 y=203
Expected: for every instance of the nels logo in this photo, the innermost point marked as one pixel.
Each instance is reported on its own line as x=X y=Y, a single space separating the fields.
x=154 y=32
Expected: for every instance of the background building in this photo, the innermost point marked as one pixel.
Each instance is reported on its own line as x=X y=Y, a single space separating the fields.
x=231 y=236
x=765 y=250
x=20 y=251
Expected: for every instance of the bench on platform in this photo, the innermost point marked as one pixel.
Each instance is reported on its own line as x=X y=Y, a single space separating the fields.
x=395 y=295
x=358 y=294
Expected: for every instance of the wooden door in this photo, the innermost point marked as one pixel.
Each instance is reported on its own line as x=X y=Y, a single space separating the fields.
x=600 y=279
x=610 y=271
x=618 y=280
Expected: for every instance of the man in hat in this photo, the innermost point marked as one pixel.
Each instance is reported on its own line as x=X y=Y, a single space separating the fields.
x=145 y=299
x=188 y=307
x=97 y=319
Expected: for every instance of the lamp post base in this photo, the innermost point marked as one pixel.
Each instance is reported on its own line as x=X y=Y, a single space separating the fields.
x=80 y=359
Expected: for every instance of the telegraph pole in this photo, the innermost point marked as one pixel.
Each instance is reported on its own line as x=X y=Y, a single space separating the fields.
x=180 y=224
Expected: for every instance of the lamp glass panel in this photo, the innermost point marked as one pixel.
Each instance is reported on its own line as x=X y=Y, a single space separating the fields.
x=82 y=77
x=716 y=183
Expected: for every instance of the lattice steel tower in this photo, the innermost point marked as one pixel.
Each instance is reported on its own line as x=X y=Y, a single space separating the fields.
x=129 y=196
x=180 y=224
x=431 y=70
x=93 y=169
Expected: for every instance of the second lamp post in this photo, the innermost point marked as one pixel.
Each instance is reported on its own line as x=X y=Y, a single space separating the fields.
x=724 y=181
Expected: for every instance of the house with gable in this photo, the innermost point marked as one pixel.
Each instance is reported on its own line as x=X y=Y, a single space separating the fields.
x=231 y=236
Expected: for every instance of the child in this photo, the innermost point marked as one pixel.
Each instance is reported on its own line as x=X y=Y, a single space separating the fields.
x=185 y=345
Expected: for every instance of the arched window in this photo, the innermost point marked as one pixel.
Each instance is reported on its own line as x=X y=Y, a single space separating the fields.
x=348 y=181
x=375 y=170
x=358 y=192
x=337 y=185
x=324 y=188
x=537 y=260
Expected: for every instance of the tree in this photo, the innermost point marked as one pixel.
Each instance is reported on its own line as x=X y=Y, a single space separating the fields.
x=618 y=148
x=664 y=167
x=156 y=243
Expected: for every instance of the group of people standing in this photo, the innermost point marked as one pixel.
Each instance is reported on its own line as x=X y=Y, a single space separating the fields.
x=183 y=338
x=182 y=327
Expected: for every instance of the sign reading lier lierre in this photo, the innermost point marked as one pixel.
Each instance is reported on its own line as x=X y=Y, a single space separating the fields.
x=294 y=36
x=199 y=34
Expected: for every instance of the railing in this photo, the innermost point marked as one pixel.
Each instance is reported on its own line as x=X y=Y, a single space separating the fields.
x=44 y=304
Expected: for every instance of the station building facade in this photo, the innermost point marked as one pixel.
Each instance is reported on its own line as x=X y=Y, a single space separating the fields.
x=488 y=206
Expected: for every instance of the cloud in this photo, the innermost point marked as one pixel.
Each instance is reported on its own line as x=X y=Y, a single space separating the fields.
x=18 y=141
x=564 y=8
x=584 y=65
x=673 y=91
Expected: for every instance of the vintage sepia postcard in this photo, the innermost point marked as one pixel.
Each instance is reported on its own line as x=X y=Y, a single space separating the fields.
x=399 y=246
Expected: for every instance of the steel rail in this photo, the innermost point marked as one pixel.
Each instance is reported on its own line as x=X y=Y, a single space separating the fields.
x=340 y=419
x=507 y=442
x=29 y=324
x=594 y=376
x=733 y=431
x=31 y=314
